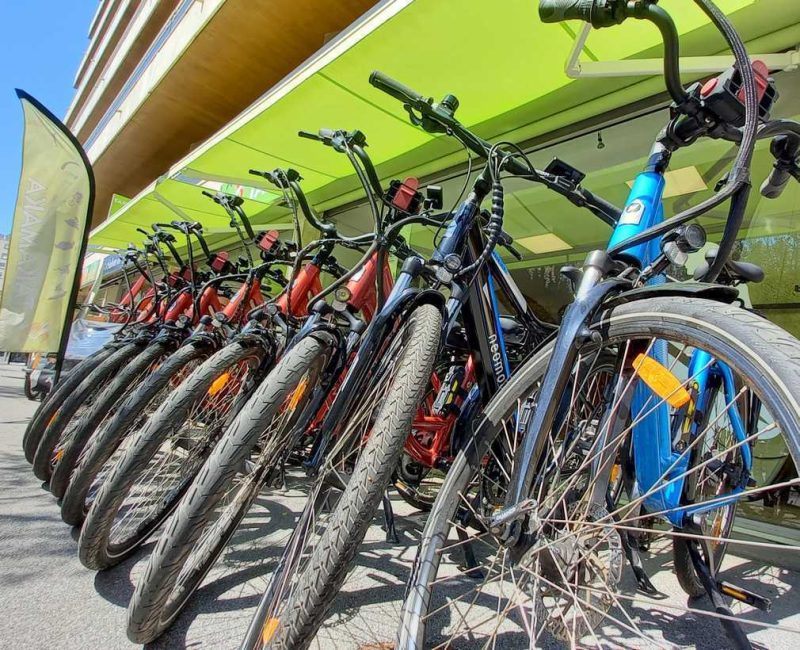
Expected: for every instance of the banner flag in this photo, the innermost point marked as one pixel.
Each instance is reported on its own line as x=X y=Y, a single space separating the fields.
x=48 y=235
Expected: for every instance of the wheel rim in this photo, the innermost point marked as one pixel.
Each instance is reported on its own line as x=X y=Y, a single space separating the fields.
x=497 y=605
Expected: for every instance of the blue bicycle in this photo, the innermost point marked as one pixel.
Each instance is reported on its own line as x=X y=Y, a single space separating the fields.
x=564 y=481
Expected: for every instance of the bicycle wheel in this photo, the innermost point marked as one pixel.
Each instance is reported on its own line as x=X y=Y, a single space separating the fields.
x=77 y=435
x=64 y=422
x=349 y=487
x=163 y=458
x=53 y=402
x=242 y=466
x=562 y=583
x=109 y=443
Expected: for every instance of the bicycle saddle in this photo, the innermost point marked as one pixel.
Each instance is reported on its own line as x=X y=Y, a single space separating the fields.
x=733 y=271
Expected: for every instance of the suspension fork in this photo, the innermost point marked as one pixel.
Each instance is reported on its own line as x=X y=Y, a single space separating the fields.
x=365 y=358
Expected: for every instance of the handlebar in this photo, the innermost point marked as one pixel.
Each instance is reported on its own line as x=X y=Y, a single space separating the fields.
x=351 y=143
x=290 y=179
x=440 y=118
x=785 y=149
x=232 y=204
x=607 y=13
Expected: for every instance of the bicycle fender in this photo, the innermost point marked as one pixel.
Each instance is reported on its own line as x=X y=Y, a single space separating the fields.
x=413 y=298
x=708 y=291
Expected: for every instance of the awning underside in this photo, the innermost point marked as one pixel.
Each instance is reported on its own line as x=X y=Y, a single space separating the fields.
x=504 y=65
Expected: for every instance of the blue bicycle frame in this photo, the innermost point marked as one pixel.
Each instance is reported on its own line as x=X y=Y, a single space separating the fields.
x=656 y=458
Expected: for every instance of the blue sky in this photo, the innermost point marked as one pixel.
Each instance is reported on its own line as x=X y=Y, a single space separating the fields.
x=42 y=43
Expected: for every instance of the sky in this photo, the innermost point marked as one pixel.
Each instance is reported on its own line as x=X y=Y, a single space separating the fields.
x=43 y=42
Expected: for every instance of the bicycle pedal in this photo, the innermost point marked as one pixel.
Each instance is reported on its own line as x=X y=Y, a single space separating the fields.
x=744 y=596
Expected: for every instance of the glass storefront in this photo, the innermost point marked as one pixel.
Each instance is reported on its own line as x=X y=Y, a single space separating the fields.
x=550 y=232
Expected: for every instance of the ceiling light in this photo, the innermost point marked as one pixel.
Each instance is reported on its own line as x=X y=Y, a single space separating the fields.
x=686 y=180
x=548 y=243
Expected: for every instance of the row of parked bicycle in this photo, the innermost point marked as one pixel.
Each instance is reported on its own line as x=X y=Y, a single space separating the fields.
x=549 y=459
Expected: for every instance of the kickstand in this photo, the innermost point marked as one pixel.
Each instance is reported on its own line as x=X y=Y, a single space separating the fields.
x=388 y=520
x=631 y=548
x=732 y=628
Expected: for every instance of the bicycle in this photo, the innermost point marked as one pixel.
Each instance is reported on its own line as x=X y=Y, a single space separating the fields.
x=259 y=460
x=177 y=426
x=106 y=445
x=93 y=402
x=86 y=382
x=372 y=415
x=698 y=382
x=140 y=311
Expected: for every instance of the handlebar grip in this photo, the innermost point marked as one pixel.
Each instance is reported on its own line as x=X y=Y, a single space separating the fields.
x=773 y=185
x=555 y=11
x=308 y=135
x=785 y=149
x=395 y=88
x=208 y=194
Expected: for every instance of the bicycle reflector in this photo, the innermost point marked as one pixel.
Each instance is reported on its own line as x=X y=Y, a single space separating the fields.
x=219 y=383
x=661 y=381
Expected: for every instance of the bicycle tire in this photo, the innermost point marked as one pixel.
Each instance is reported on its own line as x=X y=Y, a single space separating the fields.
x=326 y=570
x=96 y=550
x=45 y=411
x=770 y=356
x=128 y=378
x=151 y=610
x=80 y=398
x=99 y=451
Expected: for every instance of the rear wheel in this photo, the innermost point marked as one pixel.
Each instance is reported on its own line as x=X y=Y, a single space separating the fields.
x=349 y=486
x=247 y=461
x=561 y=584
x=109 y=443
x=163 y=458
x=64 y=422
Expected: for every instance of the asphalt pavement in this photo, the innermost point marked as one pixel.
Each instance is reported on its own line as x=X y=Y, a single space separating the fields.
x=48 y=600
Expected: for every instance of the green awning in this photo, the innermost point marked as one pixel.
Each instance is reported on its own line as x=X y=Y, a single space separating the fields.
x=504 y=65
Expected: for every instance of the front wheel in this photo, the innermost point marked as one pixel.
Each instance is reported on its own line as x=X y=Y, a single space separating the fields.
x=50 y=406
x=245 y=463
x=64 y=422
x=561 y=584
x=107 y=446
x=348 y=486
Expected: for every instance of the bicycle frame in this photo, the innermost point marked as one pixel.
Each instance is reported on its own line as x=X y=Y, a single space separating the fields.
x=654 y=452
x=475 y=301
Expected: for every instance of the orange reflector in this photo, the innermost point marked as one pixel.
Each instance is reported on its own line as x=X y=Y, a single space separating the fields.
x=615 y=470
x=298 y=393
x=219 y=383
x=268 y=630
x=661 y=381
x=52 y=417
